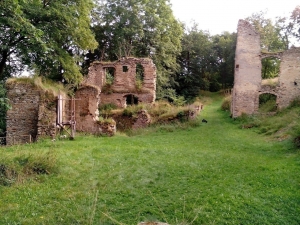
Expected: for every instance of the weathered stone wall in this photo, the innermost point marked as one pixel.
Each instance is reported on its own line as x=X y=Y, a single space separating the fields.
x=86 y=108
x=247 y=74
x=32 y=113
x=46 y=125
x=22 y=118
x=289 y=77
x=124 y=80
x=248 y=83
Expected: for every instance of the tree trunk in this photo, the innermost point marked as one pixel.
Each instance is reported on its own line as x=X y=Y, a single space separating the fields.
x=3 y=63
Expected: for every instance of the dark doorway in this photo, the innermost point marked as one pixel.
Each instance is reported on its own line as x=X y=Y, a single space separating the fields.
x=131 y=100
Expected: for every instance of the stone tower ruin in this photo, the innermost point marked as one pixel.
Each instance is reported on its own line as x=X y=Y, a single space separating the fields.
x=248 y=82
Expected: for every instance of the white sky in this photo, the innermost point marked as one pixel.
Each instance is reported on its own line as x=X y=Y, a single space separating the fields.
x=217 y=16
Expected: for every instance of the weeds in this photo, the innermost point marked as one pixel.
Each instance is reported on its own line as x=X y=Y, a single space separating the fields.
x=24 y=166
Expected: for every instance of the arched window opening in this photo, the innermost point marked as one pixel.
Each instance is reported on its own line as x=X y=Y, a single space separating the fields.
x=267 y=103
x=131 y=100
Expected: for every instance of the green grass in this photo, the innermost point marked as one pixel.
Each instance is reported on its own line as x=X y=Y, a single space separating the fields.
x=214 y=173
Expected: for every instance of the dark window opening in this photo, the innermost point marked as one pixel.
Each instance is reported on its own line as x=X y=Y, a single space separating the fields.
x=125 y=69
x=131 y=100
x=237 y=66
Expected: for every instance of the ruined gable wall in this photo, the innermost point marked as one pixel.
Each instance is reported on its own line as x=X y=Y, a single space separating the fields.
x=247 y=74
x=289 y=77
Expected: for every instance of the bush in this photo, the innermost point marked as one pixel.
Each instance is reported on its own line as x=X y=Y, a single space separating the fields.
x=106 y=109
x=226 y=103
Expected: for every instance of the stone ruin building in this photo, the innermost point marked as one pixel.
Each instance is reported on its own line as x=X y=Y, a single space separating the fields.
x=132 y=81
x=248 y=82
x=34 y=111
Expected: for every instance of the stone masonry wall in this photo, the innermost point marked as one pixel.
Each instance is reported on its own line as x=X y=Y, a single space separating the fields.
x=248 y=83
x=289 y=78
x=247 y=74
x=22 y=118
x=124 y=80
x=86 y=109
x=33 y=112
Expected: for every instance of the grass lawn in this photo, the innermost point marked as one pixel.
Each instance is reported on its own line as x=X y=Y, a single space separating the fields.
x=214 y=173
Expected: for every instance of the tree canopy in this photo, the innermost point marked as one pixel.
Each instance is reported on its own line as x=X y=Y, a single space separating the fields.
x=143 y=28
x=46 y=36
x=206 y=62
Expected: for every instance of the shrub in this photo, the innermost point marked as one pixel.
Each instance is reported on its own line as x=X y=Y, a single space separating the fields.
x=106 y=109
x=226 y=103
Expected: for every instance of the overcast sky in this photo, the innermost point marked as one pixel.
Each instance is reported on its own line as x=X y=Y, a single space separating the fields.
x=217 y=16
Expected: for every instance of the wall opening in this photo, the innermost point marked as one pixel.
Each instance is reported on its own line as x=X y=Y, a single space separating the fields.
x=140 y=73
x=125 y=69
x=110 y=75
x=131 y=100
x=267 y=103
x=270 y=67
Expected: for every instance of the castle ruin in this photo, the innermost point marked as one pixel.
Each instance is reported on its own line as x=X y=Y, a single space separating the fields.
x=248 y=82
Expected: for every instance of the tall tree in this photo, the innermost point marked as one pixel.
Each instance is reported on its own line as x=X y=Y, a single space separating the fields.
x=140 y=28
x=295 y=22
x=274 y=38
x=198 y=62
x=224 y=46
x=44 y=35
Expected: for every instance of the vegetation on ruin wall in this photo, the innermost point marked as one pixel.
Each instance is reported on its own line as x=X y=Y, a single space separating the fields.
x=161 y=112
x=4 y=106
x=41 y=83
x=214 y=173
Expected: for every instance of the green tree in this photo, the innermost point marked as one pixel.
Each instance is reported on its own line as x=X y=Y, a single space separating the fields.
x=4 y=106
x=140 y=28
x=224 y=46
x=274 y=38
x=201 y=60
x=44 y=35
x=294 y=25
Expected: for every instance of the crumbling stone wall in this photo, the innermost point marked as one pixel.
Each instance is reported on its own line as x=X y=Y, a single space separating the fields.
x=247 y=74
x=86 y=108
x=32 y=113
x=124 y=81
x=289 y=78
x=248 y=83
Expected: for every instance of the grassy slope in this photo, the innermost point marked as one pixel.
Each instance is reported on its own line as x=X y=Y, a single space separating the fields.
x=212 y=174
